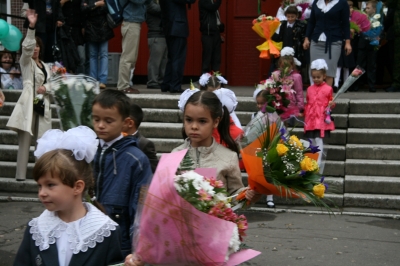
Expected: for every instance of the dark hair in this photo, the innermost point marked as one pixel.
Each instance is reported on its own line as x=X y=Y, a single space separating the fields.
x=292 y=10
x=12 y=54
x=213 y=82
x=110 y=98
x=41 y=46
x=136 y=114
x=323 y=71
x=372 y=3
x=62 y=163
x=263 y=93
x=210 y=101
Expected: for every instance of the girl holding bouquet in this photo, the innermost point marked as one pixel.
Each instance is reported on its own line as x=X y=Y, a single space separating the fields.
x=204 y=112
x=319 y=99
x=296 y=105
x=69 y=231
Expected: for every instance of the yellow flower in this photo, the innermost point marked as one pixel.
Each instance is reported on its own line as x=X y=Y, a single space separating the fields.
x=308 y=164
x=319 y=190
x=281 y=149
x=295 y=142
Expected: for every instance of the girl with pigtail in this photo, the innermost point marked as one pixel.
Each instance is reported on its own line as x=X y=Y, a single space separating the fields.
x=70 y=231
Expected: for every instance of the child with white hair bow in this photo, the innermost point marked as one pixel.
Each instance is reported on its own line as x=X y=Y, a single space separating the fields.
x=319 y=98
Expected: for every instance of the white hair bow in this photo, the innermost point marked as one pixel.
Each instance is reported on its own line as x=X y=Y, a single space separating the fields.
x=227 y=98
x=82 y=141
x=319 y=64
x=185 y=97
x=290 y=52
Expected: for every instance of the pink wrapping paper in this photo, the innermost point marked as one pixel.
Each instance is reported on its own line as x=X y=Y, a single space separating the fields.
x=173 y=232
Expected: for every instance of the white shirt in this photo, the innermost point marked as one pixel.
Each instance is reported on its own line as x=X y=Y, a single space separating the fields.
x=102 y=142
x=63 y=246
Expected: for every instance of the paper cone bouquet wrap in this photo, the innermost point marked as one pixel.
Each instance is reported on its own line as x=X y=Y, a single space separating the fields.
x=279 y=164
x=186 y=219
x=265 y=27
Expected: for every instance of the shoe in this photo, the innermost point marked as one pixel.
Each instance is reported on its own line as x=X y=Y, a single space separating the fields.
x=131 y=90
x=102 y=86
x=335 y=89
x=372 y=90
x=270 y=204
x=392 y=89
x=154 y=87
x=177 y=91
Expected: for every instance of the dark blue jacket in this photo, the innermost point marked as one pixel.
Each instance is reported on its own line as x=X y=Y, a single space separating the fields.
x=334 y=23
x=174 y=17
x=120 y=171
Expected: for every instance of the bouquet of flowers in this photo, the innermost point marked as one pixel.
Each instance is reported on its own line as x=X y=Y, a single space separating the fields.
x=356 y=74
x=278 y=90
x=265 y=27
x=74 y=95
x=376 y=27
x=359 y=22
x=282 y=165
x=186 y=219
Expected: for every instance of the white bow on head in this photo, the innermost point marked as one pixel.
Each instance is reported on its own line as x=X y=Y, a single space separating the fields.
x=289 y=51
x=82 y=141
x=227 y=98
x=319 y=64
x=185 y=97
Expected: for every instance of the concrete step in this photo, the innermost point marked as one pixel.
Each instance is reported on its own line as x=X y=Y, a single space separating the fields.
x=372 y=184
x=372 y=167
x=381 y=106
x=9 y=107
x=338 y=136
x=372 y=152
x=391 y=121
x=333 y=200
x=379 y=201
x=11 y=185
x=8 y=169
x=8 y=153
x=373 y=136
x=55 y=122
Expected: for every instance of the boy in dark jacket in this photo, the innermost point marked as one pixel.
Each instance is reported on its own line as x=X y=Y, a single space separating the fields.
x=121 y=169
x=144 y=144
x=210 y=28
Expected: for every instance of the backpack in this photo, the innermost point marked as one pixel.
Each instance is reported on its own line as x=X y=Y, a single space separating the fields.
x=115 y=10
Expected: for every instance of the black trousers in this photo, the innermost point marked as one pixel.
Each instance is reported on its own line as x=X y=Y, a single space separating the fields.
x=211 y=56
x=174 y=70
x=366 y=58
x=385 y=59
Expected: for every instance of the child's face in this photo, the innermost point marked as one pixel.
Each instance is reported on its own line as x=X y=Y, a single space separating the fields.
x=6 y=61
x=291 y=18
x=55 y=195
x=199 y=125
x=318 y=76
x=370 y=10
x=107 y=122
x=260 y=101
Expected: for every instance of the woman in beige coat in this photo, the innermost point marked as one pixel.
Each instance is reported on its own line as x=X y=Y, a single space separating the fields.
x=23 y=119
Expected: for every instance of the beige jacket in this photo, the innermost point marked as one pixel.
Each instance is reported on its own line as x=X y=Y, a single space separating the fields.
x=217 y=156
x=21 y=117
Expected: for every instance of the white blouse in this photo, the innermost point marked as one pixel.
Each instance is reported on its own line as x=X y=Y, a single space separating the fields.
x=8 y=83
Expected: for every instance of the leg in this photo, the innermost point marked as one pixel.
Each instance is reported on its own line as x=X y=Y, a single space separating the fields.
x=207 y=46
x=87 y=59
x=337 y=78
x=371 y=69
x=130 y=44
x=81 y=67
x=103 y=62
x=164 y=59
x=178 y=63
x=94 y=59
x=153 y=64
x=24 y=142
x=320 y=143
x=345 y=73
x=216 y=53
x=166 y=85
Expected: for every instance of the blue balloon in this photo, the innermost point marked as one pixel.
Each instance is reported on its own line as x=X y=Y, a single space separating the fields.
x=4 y=29
x=12 y=41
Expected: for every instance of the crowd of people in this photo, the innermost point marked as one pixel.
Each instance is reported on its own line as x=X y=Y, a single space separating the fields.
x=90 y=181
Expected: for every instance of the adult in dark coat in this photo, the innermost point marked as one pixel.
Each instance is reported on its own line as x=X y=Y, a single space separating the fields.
x=176 y=29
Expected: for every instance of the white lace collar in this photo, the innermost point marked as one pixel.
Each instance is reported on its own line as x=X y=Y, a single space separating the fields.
x=93 y=228
x=326 y=7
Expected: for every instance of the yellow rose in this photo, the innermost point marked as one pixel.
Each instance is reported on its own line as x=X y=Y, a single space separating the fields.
x=319 y=190
x=281 y=149
x=296 y=142
x=308 y=164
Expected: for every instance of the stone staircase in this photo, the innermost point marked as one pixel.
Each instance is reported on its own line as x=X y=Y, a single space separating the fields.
x=363 y=159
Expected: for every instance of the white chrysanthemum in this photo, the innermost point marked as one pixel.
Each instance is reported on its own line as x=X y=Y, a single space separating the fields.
x=220 y=197
x=377 y=16
x=376 y=24
x=262 y=86
x=234 y=243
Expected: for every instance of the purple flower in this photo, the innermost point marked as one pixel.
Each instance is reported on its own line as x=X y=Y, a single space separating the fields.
x=283 y=132
x=263 y=108
x=322 y=179
x=302 y=173
x=314 y=149
x=326 y=186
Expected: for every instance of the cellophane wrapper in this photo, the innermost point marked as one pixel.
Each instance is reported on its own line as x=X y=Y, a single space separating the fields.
x=74 y=95
x=170 y=231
